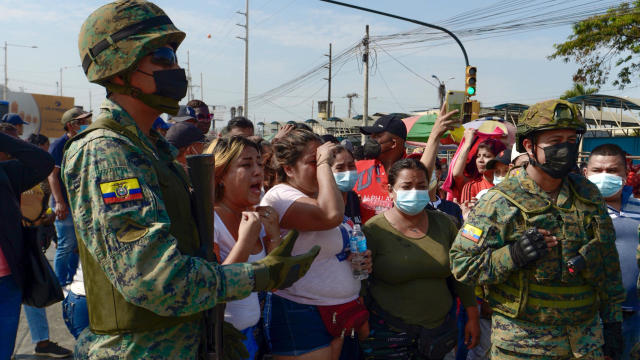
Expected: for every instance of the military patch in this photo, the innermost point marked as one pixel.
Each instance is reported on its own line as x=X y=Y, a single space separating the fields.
x=118 y=191
x=471 y=232
x=131 y=232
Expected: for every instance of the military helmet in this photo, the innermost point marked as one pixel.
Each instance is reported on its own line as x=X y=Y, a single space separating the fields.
x=549 y=115
x=117 y=35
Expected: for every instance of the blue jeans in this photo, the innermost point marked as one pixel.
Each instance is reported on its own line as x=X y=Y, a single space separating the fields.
x=9 y=315
x=65 y=261
x=38 y=325
x=75 y=313
x=630 y=333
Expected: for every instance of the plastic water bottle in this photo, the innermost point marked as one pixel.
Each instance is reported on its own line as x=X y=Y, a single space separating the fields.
x=358 y=245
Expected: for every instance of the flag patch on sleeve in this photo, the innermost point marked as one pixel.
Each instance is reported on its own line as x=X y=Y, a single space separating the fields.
x=118 y=191
x=471 y=232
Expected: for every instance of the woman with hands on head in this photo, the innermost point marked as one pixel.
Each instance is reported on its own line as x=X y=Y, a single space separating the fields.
x=307 y=199
x=242 y=231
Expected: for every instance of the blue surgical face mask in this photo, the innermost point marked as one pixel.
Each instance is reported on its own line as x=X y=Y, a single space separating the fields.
x=83 y=128
x=608 y=184
x=497 y=180
x=411 y=202
x=346 y=180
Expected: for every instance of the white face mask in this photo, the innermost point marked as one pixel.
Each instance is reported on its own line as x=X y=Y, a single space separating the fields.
x=497 y=180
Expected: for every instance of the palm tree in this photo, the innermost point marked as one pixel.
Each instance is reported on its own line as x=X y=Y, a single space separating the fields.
x=577 y=90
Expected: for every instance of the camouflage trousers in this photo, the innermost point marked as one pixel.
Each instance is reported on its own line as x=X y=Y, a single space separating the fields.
x=501 y=354
x=526 y=340
x=177 y=342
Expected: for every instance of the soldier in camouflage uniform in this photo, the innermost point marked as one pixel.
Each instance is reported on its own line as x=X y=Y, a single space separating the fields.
x=541 y=245
x=138 y=241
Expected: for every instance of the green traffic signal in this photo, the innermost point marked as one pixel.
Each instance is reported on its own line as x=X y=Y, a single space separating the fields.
x=471 y=90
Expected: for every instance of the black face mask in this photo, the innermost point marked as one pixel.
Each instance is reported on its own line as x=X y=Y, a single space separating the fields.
x=560 y=159
x=371 y=149
x=171 y=83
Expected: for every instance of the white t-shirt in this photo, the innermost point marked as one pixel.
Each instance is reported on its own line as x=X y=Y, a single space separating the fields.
x=245 y=312
x=329 y=280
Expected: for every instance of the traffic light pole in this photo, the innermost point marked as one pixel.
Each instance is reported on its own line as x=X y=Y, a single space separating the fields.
x=464 y=52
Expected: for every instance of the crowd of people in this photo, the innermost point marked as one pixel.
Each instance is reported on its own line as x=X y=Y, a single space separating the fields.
x=512 y=250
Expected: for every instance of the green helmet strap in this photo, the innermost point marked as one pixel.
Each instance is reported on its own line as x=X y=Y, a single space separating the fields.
x=154 y=101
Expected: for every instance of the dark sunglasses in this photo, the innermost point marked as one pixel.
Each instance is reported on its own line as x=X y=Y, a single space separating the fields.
x=205 y=116
x=164 y=56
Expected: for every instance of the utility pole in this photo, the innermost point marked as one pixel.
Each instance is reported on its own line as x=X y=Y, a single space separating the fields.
x=350 y=97
x=329 y=91
x=6 y=76
x=246 y=55
x=365 y=100
x=201 y=88
x=188 y=77
x=311 y=110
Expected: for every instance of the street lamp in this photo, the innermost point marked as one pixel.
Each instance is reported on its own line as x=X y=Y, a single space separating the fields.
x=63 y=68
x=6 y=77
x=442 y=90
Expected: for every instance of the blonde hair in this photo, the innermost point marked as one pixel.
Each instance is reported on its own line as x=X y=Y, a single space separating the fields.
x=225 y=151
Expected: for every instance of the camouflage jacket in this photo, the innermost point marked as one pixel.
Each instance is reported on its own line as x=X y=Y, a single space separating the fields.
x=147 y=269
x=483 y=258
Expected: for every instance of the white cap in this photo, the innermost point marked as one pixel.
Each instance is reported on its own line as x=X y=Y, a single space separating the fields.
x=515 y=154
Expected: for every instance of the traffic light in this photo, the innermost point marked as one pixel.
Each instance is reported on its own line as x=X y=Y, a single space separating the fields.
x=470 y=80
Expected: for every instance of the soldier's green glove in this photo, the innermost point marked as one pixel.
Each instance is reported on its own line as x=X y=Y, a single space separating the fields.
x=279 y=269
x=232 y=344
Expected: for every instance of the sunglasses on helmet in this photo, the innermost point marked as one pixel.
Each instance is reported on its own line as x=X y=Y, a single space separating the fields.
x=164 y=56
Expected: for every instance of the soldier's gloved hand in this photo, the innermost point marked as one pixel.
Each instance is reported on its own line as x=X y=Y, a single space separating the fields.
x=613 y=343
x=279 y=269
x=529 y=248
x=232 y=345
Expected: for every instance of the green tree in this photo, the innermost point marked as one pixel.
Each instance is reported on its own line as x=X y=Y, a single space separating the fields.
x=605 y=43
x=577 y=90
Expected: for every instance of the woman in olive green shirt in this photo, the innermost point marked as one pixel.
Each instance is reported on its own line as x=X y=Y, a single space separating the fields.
x=408 y=289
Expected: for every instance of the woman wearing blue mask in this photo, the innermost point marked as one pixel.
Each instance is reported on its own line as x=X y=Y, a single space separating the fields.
x=409 y=293
x=343 y=166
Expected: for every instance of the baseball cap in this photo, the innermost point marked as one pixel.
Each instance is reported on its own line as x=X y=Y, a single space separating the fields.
x=185 y=113
x=184 y=134
x=503 y=157
x=160 y=124
x=74 y=113
x=13 y=119
x=390 y=123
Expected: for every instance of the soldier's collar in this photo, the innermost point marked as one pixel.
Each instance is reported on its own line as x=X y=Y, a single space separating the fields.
x=530 y=186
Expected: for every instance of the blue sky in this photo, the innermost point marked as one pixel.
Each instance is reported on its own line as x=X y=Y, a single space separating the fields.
x=289 y=37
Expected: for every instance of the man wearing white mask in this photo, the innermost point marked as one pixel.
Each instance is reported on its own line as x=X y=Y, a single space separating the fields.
x=607 y=169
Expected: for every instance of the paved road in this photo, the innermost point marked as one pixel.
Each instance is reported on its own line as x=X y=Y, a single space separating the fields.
x=57 y=329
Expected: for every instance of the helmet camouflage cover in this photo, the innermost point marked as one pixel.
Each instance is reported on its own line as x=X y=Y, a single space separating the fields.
x=549 y=115
x=117 y=35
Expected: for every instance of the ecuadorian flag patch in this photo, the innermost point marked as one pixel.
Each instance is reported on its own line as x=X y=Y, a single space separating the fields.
x=114 y=192
x=471 y=232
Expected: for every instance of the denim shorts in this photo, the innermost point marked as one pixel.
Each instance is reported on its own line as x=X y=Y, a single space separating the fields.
x=293 y=329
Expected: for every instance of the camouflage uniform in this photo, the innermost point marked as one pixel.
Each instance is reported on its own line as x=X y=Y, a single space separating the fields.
x=543 y=310
x=143 y=263
x=132 y=203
